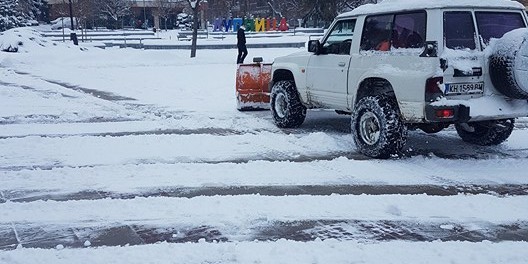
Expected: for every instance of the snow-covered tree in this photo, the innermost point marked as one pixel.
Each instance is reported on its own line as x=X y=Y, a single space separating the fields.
x=318 y=11
x=85 y=10
x=10 y=15
x=114 y=9
x=17 y=13
x=32 y=9
x=220 y=8
x=164 y=8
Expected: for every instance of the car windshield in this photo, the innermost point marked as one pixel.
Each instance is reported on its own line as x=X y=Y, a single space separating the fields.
x=496 y=24
x=343 y=30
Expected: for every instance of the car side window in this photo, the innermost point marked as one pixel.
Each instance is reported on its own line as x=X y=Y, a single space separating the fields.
x=459 y=30
x=409 y=30
x=496 y=24
x=340 y=38
x=399 y=31
x=377 y=33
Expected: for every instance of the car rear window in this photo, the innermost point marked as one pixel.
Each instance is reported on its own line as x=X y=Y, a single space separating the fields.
x=409 y=30
x=459 y=30
x=496 y=24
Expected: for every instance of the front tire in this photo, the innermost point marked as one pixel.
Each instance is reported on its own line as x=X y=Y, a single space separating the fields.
x=377 y=127
x=486 y=133
x=286 y=106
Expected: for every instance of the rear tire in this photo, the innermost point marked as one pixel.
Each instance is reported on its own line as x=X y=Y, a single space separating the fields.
x=286 y=106
x=377 y=127
x=486 y=133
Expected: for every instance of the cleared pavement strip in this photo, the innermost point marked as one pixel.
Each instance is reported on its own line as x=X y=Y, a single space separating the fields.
x=319 y=190
x=199 y=131
x=93 y=235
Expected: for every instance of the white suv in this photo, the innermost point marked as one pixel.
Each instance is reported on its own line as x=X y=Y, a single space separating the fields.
x=402 y=65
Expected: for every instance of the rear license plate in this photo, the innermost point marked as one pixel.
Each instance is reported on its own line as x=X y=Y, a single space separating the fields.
x=463 y=88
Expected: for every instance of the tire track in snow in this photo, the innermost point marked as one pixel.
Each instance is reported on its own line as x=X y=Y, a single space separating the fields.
x=93 y=92
x=272 y=157
x=18 y=196
x=247 y=146
x=243 y=209
x=202 y=131
x=76 y=235
x=54 y=119
x=275 y=157
x=144 y=229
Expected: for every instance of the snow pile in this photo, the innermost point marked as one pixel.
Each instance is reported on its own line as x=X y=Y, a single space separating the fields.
x=23 y=40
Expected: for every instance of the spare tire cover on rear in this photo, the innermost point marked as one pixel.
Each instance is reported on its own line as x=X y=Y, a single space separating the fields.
x=509 y=64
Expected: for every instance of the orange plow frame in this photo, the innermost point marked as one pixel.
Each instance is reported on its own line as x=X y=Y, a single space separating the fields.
x=252 y=86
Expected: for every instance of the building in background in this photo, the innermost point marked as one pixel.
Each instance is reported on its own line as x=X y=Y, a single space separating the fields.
x=164 y=13
x=155 y=11
x=120 y=13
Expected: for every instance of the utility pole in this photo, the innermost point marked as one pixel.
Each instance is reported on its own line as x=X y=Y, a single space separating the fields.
x=71 y=14
x=145 y=14
x=62 y=20
x=73 y=35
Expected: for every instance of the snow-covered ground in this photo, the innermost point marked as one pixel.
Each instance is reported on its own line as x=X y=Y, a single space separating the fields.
x=140 y=156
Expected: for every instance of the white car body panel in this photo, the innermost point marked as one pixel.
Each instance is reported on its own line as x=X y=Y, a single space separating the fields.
x=332 y=80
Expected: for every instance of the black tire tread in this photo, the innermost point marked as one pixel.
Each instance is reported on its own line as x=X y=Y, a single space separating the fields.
x=487 y=133
x=394 y=131
x=296 y=110
x=503 y=77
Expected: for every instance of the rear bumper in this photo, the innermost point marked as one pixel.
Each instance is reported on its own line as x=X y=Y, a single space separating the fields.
x=477 y=109
x=460 y=114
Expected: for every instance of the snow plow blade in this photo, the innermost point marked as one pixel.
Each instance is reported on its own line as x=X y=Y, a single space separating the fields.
x=252 y=80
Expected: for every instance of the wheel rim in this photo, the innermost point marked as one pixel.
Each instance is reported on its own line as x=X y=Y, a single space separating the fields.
x=369 y=128
x=281 y=105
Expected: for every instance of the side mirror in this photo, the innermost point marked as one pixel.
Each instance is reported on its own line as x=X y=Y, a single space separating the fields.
x=257 y=59
x=314 y=46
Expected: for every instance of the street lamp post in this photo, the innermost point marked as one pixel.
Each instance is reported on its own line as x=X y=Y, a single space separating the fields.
x=71 y=14
x=203 y=9
x=145 y=14
x=73 y=35
x=62 y=20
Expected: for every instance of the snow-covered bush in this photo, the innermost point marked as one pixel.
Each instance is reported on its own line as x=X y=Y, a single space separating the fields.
x=28 y=40
x=18 y=39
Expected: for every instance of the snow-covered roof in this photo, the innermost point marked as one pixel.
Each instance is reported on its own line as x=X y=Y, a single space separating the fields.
x=403 y=5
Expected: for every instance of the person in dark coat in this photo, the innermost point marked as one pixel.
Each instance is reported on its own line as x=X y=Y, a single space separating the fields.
x=241 y=44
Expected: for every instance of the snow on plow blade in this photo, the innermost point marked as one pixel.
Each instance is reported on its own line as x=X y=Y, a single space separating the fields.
x=252 y=80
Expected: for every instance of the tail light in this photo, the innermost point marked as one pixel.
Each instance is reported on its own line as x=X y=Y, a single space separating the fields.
x=432 y=89
x=445 y=113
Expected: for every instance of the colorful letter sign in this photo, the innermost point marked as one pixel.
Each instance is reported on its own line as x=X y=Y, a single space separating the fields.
x=260 y=24
x=257 y=24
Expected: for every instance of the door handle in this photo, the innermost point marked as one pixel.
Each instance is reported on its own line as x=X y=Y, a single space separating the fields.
x=341 y=64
